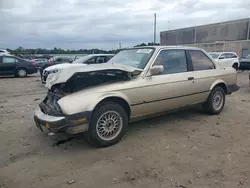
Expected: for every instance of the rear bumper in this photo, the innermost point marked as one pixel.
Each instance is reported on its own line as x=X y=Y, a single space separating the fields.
x=32 y=70
x=69 y=124
x=232 y=88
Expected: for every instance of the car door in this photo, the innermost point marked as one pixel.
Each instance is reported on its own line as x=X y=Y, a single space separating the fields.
x=7 y=65
x=203 y=72
x=222 y=60
x=169 y=90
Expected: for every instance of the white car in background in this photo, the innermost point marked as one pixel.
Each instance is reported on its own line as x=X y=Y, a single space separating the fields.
x=4 y=52
x=226 y=59
x=85 y=60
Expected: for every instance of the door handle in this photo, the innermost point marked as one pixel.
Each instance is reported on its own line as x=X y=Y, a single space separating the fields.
x=190 y=78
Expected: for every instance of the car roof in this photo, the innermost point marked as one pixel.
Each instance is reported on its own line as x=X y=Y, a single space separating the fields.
x=169 y=47
x=223 y=52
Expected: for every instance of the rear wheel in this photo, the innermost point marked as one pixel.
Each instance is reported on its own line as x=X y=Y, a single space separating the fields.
x=108 y=125
x=22 y=72
x=235 y=66
x=215 y=101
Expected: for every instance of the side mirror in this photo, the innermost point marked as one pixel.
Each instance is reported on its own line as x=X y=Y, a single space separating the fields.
x=221 y=57
x=157 y=69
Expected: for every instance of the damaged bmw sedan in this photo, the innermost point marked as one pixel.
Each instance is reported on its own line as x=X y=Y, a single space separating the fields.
x=101 y=99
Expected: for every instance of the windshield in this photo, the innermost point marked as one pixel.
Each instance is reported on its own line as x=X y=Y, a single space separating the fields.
x=82 y=59
x=137 y=58
x=214 y=55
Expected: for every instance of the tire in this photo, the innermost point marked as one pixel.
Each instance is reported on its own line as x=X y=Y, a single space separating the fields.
x=235 y=66
x=210 y=104
x=95 y=134
x=21 y=72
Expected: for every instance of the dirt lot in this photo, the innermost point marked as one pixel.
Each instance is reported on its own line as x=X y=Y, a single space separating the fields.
x=185 y=149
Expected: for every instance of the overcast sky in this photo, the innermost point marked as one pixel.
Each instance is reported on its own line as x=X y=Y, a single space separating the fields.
x=76 y=24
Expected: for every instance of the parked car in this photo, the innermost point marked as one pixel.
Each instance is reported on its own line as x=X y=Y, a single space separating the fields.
x=12 y=65
x=4 y=52
x=245 y=63
x=54 y=61
x=101 y=99
x=88 y=59
x=226 y=59
x=40 y=62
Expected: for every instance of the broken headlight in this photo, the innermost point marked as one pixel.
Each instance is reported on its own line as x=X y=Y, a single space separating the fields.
x=52 y=102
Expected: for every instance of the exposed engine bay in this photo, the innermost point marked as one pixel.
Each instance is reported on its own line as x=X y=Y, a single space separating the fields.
x=82 y=80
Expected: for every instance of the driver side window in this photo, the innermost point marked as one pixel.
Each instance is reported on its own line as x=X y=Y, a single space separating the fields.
x=91 y=60
x=173 y=61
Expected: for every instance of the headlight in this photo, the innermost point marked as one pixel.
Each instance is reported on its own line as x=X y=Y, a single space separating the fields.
x=54 y=71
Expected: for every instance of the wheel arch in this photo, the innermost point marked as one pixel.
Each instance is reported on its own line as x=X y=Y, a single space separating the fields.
x=116 y=99
x=221 y=84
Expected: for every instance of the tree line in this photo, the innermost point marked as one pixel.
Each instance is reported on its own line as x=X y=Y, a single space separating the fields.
x=21 y=50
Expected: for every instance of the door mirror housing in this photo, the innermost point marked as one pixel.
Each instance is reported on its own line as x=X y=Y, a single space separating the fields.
x=157 y=69
x=222 y=57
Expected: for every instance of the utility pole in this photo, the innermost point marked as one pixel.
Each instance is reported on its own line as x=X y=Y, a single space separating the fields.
x=120 y=45
x=154 y=28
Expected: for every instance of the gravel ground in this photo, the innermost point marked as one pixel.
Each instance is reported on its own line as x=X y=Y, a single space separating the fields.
x=184 y=149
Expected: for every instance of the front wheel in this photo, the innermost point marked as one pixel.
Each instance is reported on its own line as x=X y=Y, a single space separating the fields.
x=215 y=101
x=235 y=66
x=108 y=125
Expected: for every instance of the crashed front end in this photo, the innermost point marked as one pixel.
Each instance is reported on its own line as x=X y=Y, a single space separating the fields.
x=64 y=83
x=50 y=116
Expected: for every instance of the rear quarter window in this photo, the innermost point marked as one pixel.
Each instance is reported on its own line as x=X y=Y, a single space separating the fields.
x=200 y=60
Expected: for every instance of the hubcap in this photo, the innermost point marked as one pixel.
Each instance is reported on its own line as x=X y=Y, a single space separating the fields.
x=218 y=100
x=109 y=125
x=22 y=72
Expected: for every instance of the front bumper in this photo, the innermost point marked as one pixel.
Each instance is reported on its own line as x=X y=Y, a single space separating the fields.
x=44 y=78
x=72 y=124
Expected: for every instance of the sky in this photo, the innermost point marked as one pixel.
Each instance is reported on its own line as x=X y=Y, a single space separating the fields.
x=103 y=24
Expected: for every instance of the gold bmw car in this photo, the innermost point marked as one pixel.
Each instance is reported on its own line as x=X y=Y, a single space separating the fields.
x=101 y=99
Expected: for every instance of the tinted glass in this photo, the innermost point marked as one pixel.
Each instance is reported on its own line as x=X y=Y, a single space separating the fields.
x=108 y=58
x=100 y=59
x=230 y=55
x=223 y=56
x=91 y=60
x=214 y=55
x=200 y=60
x=173 y=61
x=9 y=60
x=82 y=59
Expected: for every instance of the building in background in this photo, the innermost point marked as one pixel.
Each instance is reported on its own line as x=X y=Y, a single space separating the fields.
x=231 y=36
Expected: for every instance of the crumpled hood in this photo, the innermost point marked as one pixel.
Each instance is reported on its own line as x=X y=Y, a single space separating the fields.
x=63 y=75
x=62 y=66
